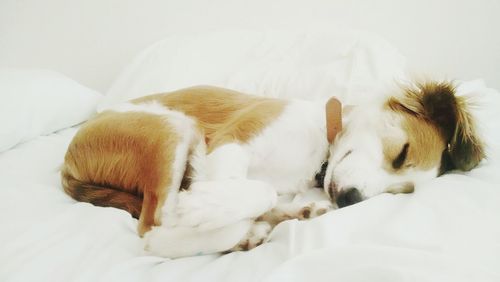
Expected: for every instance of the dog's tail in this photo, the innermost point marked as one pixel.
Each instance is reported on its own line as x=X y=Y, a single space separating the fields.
x=100 y=195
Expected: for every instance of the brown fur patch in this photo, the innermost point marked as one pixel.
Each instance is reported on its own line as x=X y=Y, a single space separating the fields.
x=224 y=115
x=128 y=153
x=436 y=103
x=101 y=196
x=425 y=145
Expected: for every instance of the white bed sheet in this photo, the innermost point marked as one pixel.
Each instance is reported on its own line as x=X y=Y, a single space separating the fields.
x=448 y=230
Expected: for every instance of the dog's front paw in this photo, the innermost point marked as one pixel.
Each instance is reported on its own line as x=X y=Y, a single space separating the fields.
x=215 y=204
x=255 y=237
x=314 y=209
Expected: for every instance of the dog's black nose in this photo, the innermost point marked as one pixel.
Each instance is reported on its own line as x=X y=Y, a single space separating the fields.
x=348 y=197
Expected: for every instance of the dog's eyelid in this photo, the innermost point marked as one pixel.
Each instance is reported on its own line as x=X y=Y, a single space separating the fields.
x=345 y=155
x=401 y=158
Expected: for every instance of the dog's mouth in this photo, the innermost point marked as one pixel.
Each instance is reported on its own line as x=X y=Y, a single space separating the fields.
x=333 y=191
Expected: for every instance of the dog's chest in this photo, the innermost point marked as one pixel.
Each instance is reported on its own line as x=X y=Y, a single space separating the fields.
x=289 y=152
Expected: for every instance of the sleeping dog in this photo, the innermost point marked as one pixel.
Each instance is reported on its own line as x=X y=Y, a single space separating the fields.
x=202 y=167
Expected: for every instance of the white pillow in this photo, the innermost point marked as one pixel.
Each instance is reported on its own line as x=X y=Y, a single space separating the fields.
x=39 y=102
x=311 y=64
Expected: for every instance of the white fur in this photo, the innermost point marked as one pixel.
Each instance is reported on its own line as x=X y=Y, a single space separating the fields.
x=188 y=241
x=257 y=234
x=214 y=204
x=229 y=161
x=224 y=194
x=296 y=209
x=356 y=159
x=238 y=182
x=290 y=151
x=188 y=137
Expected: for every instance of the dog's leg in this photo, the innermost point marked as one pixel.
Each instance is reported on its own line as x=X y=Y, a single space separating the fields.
x=229 y=161
x=257 y=235
x=160 y=196
x=292 y=210
x=214 y=204
x=176 y=242
x=225 y=196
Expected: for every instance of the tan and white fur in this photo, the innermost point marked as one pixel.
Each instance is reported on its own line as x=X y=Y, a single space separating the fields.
x=419 y=133
x=203 y=167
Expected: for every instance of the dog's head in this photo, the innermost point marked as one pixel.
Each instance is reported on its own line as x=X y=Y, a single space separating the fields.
x=409 y=138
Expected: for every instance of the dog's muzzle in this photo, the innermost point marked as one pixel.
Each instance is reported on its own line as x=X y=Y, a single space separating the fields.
x=346 y=197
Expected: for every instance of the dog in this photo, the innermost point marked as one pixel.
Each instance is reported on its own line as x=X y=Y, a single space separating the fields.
x=204 y=168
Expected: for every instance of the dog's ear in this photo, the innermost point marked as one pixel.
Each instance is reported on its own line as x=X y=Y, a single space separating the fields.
x=450 y=113
x=333 y=118
x=437 y=103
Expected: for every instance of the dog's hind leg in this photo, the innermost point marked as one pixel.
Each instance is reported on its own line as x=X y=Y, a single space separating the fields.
x=189 y=241
x=160 y=195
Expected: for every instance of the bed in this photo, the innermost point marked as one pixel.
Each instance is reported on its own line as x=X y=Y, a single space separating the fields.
x=448 y=230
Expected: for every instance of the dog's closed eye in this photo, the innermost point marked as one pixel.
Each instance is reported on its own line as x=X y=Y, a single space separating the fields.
x=398 y=162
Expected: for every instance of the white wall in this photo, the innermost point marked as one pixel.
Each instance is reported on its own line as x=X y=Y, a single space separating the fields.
x=91 y=40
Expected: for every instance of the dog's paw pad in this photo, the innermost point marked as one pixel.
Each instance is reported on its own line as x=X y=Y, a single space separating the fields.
x=315 y=209
x=305 y=212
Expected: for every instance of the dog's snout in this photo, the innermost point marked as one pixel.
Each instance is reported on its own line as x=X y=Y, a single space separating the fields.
x=348 y=197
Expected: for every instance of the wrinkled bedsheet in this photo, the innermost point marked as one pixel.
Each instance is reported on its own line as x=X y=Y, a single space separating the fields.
x=448 y=230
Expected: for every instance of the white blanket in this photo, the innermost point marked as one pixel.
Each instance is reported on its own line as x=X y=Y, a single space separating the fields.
x=448 y=230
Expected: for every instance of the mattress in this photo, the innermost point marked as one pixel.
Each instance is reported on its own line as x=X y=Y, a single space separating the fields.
x=447 y=230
